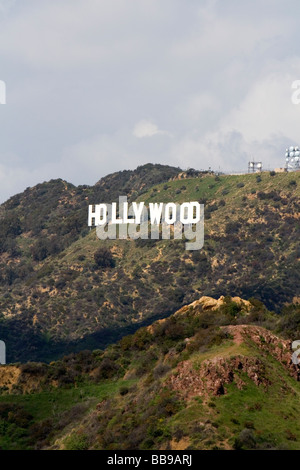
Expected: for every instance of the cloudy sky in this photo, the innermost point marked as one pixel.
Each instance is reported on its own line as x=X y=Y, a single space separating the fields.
x=96 y=86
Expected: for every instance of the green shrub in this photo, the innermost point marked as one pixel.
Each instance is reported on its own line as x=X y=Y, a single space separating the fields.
x=77 y=442
x=245 y=440
x=104 y=258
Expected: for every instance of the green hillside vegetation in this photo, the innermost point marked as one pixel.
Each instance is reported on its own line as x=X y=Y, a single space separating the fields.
x=58 y=297
x=134 y=394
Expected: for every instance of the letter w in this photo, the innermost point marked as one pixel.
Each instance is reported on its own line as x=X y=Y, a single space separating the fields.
x=155 y=212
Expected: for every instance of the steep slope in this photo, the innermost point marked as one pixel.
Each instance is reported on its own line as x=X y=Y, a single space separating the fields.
x=211 y=376
x=47 y=218
x=57 y=300
x=36 y=227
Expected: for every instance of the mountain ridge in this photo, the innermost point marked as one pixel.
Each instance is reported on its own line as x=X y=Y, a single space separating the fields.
x=55 y=298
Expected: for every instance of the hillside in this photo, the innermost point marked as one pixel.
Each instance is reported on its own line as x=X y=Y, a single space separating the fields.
x=208 y=377
x=55 y=299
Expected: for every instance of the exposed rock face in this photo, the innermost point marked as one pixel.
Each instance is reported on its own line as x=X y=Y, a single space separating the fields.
x=213 y=374
x=267 y=342
x=208 y=303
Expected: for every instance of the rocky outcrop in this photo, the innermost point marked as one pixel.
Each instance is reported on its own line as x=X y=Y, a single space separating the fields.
x=210 y=304
x=213 y=375
x=267 y=342
x=207 y=304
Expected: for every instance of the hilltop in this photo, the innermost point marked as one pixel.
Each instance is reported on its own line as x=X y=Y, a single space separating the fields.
x=207 y=377
x=55 y=298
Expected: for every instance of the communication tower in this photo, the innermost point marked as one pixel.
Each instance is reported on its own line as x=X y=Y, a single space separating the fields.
x=254 y=167
x=292 y=159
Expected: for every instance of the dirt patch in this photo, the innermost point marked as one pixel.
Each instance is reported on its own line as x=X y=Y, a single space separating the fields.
x=180 y=445
x=9 y=376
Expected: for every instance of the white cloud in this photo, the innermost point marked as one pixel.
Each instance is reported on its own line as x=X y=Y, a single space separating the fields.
x=267 y=109
x=78 y=33
x=145 y=128
x=80 y=74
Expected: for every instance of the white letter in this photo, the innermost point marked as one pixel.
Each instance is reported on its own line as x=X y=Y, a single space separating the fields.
x=114 y=219
x=142 y=233
x=138 y=209
x=155 y=212
x=126 y=220
x=99 y=215
x=170 y=219
x=108 y=230
x=190 y=217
